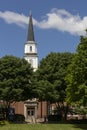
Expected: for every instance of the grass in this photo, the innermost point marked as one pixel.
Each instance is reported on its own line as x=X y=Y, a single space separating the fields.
x=8 y=126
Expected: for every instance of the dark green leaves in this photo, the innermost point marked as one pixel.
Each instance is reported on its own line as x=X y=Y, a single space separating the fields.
x=15 y=74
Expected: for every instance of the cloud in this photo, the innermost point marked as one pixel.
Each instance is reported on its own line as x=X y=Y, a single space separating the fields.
x=11 y=17
x=56 y=19
x=64 y=21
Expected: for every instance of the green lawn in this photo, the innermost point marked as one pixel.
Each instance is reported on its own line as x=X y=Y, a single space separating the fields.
x=43 y=127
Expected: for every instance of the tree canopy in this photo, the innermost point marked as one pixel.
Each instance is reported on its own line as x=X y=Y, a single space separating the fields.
x=15 y=79
x=77 y=76
x=50 y=75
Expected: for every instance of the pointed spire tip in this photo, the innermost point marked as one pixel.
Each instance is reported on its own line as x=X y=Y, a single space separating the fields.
x=30 y=12
x=30 y=36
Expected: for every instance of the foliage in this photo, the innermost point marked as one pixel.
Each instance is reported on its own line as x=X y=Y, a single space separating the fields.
x=80 y=110
x=19 y=118
x=77 y=76
x=50 y=76
x=15 y=79
x=54 y=118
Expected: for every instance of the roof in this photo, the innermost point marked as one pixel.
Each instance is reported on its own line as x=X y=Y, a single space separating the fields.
x=30 y=36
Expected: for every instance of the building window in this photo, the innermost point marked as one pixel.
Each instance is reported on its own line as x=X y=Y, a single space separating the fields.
x=30 y=48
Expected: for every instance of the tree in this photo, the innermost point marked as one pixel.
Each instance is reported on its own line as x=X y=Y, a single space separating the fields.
x=77 y=76
x=15 y=79
x=50 y=77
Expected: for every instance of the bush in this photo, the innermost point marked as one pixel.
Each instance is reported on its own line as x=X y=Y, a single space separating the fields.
x=79 y=110
x=19 y=118
x=75 y=121
x=2 y=113
x=54 y=117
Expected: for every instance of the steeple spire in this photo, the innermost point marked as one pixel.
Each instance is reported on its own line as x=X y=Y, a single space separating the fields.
x=30 y=36
x=30 y=48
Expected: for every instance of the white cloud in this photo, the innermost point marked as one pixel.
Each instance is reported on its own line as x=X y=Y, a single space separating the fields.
x=64 y=21
x=11 y=17
x=57 y=19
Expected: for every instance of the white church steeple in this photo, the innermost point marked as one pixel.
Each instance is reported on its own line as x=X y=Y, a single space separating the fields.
x=30 y=48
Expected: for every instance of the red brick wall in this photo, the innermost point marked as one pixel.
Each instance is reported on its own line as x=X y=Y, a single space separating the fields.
x=41 y=110
x=19 y=107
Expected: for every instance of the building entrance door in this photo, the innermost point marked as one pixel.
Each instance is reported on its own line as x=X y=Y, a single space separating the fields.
x=30 y=112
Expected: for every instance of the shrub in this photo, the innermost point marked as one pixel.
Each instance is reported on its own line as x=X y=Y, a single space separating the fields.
x=19 y=118
x=54 y=117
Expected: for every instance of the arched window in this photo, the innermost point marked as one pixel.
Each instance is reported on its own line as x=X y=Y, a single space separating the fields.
x=30 y=48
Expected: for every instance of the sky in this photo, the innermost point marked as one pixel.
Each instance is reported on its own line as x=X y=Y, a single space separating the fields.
x=58 y=25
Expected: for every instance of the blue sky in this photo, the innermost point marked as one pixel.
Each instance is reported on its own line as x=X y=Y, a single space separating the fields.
x=58 y=25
